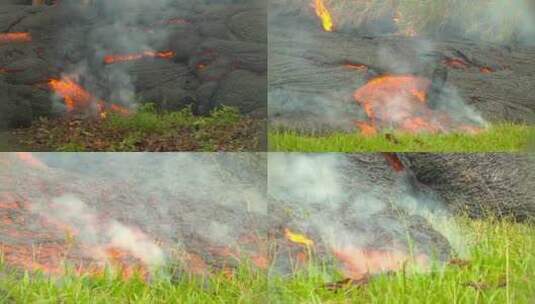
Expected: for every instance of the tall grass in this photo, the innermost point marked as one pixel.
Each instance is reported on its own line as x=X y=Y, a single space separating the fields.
x=500 y=268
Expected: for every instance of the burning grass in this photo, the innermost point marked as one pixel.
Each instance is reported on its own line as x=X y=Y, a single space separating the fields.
x=500 y=269
x=146 y=130
x=504 y=137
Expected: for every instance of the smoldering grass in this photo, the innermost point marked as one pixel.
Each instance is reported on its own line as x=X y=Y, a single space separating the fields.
x=500 y=137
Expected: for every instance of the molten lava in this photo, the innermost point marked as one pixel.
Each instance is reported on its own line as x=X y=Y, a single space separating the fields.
x=401 y=102
x=72 y=93
x=394 y=162
x=360 y=263
x=324 y=15
x=15 y=37
x=110 y=59
x=297 y=238
x=76 y=98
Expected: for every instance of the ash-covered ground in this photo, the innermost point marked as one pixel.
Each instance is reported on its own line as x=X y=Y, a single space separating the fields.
x=174 y=53
x=206 y=212
x=318 y=62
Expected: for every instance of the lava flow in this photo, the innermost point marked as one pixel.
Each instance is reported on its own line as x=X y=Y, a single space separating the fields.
x=15 y=37
x=401 y=102
x=360 y=263
x=110 y=59
x=76 y=98
x=324 y=15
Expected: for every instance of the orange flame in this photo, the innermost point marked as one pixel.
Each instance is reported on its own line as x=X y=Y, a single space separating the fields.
x=325 y=16
x=15 y=37
x=110 y=59
x=297 y=238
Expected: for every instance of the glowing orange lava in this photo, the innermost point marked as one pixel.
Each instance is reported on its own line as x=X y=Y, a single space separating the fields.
x=15 y=37
x=76 y=98
x=325 y=16
x=360 y=263
x=110 y=59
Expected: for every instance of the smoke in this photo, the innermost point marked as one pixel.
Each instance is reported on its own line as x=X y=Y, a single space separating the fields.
x=146 y=205
x=309 y=78
x=349 y=202
x=112 y=28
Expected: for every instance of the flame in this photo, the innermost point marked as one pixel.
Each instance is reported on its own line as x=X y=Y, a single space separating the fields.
x=325 y=16
x=110 y=59
x=360 y=263
x=77 y=98
x=297 y=238
x=15 y=37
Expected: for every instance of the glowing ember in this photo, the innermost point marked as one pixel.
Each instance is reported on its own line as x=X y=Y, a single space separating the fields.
x=456 y=63
x=394 y=162
x=325 y=16
x=15 y=37
x=360 y=263
x=297 y=238
x=486 y=70
x=177 y=21
x=110 y=59
x=356 y=66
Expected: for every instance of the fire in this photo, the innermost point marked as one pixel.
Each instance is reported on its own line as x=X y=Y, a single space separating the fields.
x=77 y=98
x=325 y=16
x=15 y=37
x=297 y=238
x=110 y=59
x=360 y=263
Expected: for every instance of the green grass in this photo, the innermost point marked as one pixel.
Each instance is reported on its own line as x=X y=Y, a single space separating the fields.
x=500 y=269
x=501 y=264
x=498 y=138
x=224 y=129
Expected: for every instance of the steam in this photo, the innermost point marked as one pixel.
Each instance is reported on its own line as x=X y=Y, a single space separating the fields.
x=115 y=27
x=308 y=78
x=350 y=207
x=97 y=235
x=147 y=205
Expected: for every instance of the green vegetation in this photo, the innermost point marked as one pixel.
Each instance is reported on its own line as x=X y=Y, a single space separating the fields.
x=145 y=130
x=498 y=138
x=500 y=268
